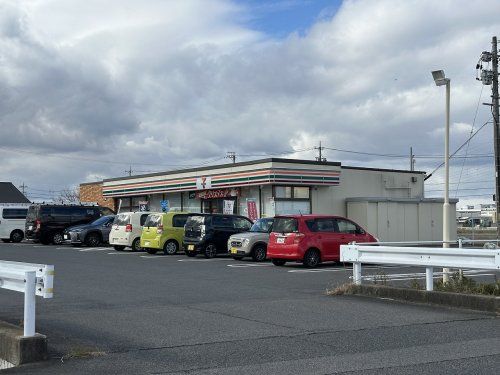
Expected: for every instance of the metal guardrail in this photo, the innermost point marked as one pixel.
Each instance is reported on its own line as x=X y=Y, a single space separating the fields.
x=428 y=257
x=32 y=280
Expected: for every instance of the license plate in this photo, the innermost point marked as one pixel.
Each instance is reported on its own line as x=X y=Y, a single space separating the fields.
x=190 y=247
x=30 y=227
x=66 y=237
x=280 y=240
x=146 y=243
x=234 y=250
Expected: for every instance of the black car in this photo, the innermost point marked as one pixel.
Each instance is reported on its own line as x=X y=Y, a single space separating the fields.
x=90 y=234
x=47 y=222
x=207 y=234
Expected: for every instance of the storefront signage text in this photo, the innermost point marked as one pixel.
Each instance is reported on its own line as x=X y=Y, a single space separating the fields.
x=217 y=193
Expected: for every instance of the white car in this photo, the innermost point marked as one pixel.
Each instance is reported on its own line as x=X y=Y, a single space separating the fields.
x=13 y=221
x=127 y=230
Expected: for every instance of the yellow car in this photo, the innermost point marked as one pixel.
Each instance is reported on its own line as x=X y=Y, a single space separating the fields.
x=164 y=231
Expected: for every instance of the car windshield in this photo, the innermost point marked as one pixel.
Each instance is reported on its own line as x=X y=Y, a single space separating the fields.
x=262 y=225
x=101 y=221
x=122 y=219
x=285 y=225
x=32 y=213
x=152 y=221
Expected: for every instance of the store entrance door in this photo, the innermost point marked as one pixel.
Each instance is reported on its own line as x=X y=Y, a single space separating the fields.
x=216 y=206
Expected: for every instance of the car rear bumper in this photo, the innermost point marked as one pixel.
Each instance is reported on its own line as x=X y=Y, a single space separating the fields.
x=151 y=243
x=291 y=252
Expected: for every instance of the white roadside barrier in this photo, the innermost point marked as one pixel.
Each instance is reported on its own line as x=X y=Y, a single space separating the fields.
x=428 y=257
x=32 y=280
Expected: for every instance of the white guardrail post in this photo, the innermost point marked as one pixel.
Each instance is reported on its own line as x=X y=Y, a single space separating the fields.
x=29 y=303
x=32 y=280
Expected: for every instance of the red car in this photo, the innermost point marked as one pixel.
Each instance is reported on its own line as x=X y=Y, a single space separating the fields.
x=312 y=239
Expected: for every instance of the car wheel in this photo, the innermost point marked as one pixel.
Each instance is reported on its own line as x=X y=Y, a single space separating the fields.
x=210 y=251
x=259 y=253
x=16 y=236
x=191 y=254
x=151 y=251
x=92 y=240
x=279 y=262
x=311 y=258
x=57 y=238
x=170 y=247
x=119 y=247
x=5 y=240
x=136 y=245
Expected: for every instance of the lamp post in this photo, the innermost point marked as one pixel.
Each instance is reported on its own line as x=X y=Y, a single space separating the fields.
x=441 y=80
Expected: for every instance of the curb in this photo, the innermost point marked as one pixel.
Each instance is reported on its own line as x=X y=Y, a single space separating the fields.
x=490 y=304
x=17 y=349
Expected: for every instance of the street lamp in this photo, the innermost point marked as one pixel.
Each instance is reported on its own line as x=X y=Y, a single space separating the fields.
x=441 y=80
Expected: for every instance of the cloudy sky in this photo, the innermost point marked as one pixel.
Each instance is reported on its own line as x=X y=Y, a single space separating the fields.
x=89 y=88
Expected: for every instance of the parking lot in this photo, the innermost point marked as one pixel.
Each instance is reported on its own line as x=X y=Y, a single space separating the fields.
x=131 y=312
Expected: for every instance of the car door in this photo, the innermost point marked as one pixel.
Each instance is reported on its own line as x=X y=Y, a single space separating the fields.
x=347 y=232
x=223 y=228
x=106 y=228
x=327 y=238
x=177 y=229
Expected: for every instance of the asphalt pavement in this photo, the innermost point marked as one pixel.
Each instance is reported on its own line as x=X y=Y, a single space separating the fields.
x=124 y=312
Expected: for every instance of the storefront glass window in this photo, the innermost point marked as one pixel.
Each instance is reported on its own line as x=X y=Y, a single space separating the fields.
x=292 y=207
x=301 y=192
x=283 y=191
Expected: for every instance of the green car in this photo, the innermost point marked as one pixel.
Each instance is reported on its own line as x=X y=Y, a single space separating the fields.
x=164 y=231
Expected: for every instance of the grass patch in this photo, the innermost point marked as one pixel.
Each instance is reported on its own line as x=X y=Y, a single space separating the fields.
x=461 y=284
x=83 y=352
x=340 y=290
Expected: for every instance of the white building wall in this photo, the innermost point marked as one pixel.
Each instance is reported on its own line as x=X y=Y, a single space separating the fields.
x=365 y=183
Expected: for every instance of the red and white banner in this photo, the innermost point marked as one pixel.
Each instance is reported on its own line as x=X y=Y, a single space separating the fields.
x=218 y=193
x=252 y=209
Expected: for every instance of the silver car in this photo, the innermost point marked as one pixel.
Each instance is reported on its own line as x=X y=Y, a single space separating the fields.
x=252 y=243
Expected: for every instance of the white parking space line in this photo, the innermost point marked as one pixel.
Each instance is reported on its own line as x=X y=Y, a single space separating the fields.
x=204 y=260
x=154 y=257
x=96 y=249
x=349 y=269
x=117 y=253
x=249 y=265
x=419 y=275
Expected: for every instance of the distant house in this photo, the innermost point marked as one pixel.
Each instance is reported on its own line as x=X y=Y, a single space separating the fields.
x=10 y=194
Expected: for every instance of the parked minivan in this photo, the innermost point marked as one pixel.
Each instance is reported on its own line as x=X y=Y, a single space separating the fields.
x=47 y=222
x=13 y=221
x=312 y=239
x=164 y=231
x=127 y=230
x=207 y=234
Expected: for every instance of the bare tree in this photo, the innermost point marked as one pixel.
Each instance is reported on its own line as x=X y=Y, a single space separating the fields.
x=67 y=196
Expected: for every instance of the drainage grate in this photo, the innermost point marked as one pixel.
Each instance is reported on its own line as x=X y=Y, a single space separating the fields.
x=5 y=365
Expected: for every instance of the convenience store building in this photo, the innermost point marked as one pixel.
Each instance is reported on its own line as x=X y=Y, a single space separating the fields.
x=389 y=203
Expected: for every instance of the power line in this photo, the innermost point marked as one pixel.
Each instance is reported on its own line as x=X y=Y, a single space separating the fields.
x=463 y=144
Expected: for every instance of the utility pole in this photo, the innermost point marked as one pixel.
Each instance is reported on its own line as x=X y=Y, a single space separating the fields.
x=23 y=188
x=412 y=160
x=494 y=96
x=231 y=155
x=129 y=171
x=320 y=157
x=490 y=77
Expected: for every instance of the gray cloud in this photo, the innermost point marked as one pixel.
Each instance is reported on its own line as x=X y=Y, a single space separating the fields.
x=175 y=83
